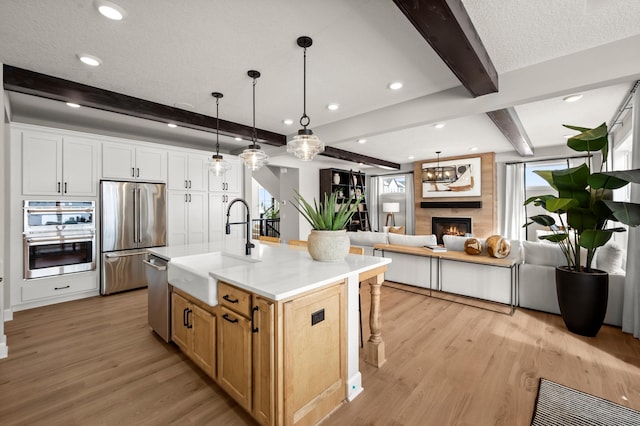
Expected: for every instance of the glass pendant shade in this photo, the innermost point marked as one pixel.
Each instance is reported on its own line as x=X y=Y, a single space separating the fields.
x=253 y=157
x=305 y=145
x=218 y=166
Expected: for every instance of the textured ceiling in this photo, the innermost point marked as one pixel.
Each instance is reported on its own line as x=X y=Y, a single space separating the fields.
x=177 y=53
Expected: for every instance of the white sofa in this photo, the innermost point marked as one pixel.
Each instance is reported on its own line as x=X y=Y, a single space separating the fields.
x=538 y=282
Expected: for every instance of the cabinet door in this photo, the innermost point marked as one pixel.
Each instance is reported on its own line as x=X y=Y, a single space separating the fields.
x=41 y=164
x=234 y=356
x=180 y=334
x=118 y=161
x=233 y=177
x=177 y=172
x=216 y=216
x=263 y=361
x=198 y=172
x=204 y=340
x=151 y=164
x=197 y=220
x=79 y=161
x=177 y=226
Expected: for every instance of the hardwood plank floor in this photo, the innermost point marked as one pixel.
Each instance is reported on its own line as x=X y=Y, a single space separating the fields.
x=95 y=361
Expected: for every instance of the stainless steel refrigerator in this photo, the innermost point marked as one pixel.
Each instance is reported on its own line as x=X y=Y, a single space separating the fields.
x=133 y=218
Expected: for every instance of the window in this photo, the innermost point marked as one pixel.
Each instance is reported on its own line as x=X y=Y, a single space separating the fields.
x=393 y=184
x=535 y=182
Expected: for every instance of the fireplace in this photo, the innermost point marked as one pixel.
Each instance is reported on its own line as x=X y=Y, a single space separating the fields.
x=459 y=226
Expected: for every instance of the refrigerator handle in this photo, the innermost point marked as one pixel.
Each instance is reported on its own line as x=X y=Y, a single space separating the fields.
x=135 y=216
x=139 y=219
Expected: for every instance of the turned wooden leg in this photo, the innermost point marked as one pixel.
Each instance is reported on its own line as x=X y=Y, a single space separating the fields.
x=374 y=348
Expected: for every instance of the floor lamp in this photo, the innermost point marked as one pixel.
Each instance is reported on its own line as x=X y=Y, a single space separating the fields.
x=390 y=209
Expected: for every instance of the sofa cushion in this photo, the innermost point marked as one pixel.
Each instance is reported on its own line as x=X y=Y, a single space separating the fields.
x=610 y=258
x=412 y=240
x=367 y=238
x=543 y=254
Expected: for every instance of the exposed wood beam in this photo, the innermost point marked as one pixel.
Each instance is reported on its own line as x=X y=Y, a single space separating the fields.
x=341 y=154
x=448 y=29
x=45 y=86
x=509 y=123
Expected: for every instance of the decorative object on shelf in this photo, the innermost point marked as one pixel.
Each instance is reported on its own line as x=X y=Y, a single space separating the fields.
x=472 y=246
x=328 y=240
x=452 y=178
x=305 y=145
x=390 y=209
x=585 y=198
x=253 y=156
x=217 y=164
x=498 y=247
x=336 y=178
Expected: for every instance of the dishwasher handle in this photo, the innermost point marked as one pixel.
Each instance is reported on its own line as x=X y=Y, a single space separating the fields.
x=154 y=266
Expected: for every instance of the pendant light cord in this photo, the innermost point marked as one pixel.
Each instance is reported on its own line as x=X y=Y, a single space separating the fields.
x=304 y=123
x=217 y=128
x=255 y=136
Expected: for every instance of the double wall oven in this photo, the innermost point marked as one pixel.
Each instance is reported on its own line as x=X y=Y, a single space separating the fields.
x=59 y=237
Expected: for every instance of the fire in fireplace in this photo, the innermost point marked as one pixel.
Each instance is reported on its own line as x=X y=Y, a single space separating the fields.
x=458 y=226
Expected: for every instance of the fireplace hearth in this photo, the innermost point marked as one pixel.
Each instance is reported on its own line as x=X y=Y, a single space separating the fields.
x=458 y=226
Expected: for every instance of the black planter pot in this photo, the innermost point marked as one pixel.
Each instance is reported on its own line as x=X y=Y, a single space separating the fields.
x=582 y=297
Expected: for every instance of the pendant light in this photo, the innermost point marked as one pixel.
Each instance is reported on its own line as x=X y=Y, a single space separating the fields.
x=305 y=145
x=217 y=165
x=253 y=157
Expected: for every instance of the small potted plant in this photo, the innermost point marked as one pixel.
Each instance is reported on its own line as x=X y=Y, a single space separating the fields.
x=328 y=240
x=585 y=199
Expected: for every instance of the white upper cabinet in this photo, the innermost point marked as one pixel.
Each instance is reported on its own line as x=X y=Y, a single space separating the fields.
x=232 y=179
x=128 y=161
x=53 y=164
x=187 y=172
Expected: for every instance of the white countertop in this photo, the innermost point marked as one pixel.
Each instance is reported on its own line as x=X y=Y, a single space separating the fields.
x=275 y=271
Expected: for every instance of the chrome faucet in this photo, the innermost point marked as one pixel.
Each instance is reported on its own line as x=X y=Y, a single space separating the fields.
x=249 y=245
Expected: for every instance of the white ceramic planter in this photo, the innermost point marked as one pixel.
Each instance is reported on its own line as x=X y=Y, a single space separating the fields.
x=328 y=246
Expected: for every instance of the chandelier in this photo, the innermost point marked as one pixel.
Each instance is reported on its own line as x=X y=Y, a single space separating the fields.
x=305 y=145
x=253 y=156
x=444 y=174
x=217 y=165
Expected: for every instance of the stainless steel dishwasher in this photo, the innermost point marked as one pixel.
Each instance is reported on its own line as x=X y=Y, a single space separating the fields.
x=159 y=303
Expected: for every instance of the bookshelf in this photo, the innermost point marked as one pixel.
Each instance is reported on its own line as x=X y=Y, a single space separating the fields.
x=346 y=183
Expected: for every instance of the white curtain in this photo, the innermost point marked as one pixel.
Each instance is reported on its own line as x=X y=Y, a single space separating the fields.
x=631 y=307
x=373 y=201
x=514 y=215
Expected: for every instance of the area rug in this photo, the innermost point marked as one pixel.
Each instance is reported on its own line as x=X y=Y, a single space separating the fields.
x=559 y=405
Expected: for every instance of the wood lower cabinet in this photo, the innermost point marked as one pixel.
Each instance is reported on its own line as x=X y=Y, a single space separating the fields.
x=234 y=356
x=263 y=360
x=193 y=329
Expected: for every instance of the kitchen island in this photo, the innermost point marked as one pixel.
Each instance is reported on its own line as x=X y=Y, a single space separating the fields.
x=275 y=329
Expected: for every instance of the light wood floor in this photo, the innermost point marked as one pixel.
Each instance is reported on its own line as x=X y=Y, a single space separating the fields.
x=95 y=361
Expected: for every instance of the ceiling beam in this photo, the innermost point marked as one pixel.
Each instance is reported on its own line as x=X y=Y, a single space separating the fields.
x=509 y=123
x=341 y=154
x=45 y=86
x=446 y=26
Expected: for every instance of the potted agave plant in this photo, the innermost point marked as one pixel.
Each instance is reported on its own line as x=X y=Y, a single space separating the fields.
x=328 y=240
x=584 y=198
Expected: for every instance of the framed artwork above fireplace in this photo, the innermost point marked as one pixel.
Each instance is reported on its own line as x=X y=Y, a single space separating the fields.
x=452 y=178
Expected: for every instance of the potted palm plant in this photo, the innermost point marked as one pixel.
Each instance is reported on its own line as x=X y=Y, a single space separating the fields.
x=584 y=208
x=328 y=240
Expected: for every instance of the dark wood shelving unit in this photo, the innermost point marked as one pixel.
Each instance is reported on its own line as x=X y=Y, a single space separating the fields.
x=346 y=183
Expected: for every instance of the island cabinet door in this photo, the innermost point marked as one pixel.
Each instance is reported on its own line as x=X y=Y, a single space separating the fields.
x=180 y=333
x=204 y=340
x=263 y=361
x=314 y=355
x=234 y=356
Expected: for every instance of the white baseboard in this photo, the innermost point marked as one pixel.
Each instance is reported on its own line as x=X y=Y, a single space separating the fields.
x=8 y=314
x=4 y=350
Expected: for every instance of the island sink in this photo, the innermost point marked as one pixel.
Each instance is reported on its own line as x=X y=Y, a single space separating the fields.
x=191 y=273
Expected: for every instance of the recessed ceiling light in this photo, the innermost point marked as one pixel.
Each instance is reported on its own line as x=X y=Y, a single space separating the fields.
x=473 y=148
x=73 y=105
x=184 y=105
x=411 y=157
x=361 y=164
x=238 y=139
x=333 y=107
x=288 y=121
x=362 y=141
x=572 y=98
x=439 y=125
x=396 y=85
x=173 y=126
x=91 y=60
x=110 y=10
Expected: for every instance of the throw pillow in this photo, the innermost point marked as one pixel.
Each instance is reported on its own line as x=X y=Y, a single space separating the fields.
x=543 y=254
x=396 y=230
x=610 y=258
x=412 y=240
